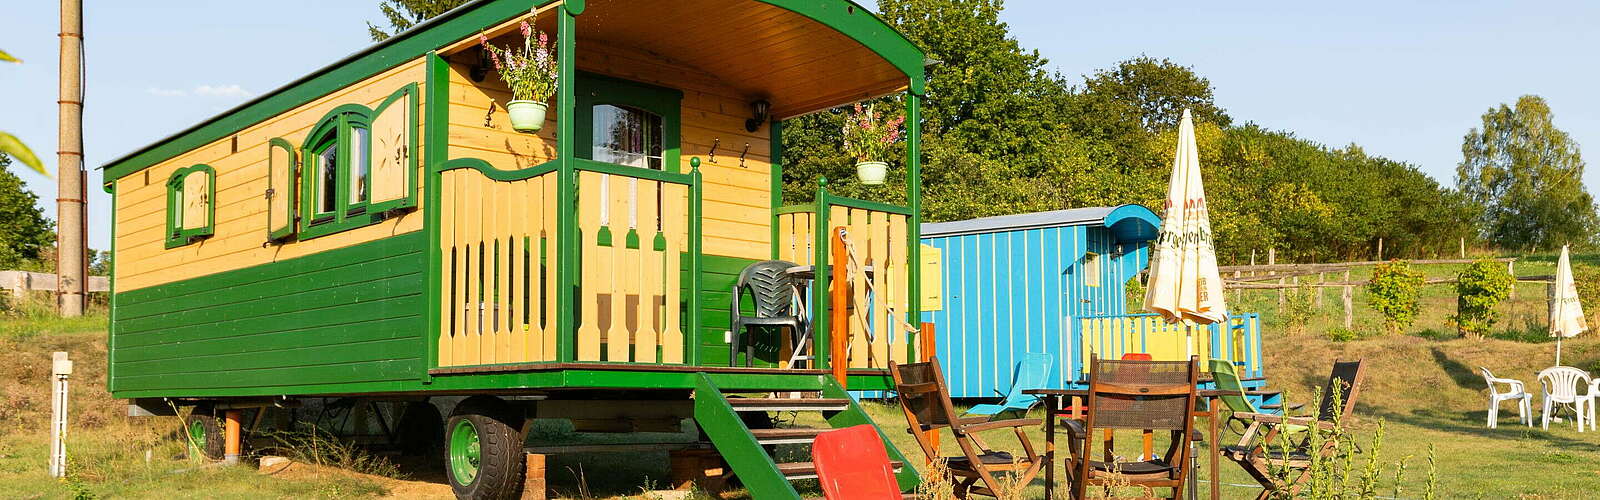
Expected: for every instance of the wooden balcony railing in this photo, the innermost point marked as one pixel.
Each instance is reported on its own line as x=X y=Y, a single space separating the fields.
x=1109 y=337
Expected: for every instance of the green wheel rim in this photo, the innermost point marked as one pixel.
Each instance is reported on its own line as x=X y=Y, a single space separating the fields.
x=464 y=451
x=197 y=435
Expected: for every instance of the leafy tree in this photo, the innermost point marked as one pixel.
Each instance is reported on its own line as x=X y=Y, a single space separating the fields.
x=403 y=14
x=1152 y=93
x=1528 y=175
x=26 y=233
x=1479 y=287
x=1393 y=293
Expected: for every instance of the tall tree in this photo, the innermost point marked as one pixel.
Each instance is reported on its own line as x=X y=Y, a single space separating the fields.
x=403 y=14
x=1528 y=175
x=26 y=232
x=1153 y=92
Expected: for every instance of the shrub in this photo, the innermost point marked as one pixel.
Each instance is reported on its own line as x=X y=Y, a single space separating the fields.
x=1342 y=334
x=1298 y=308
x=1393 y=293
x=1587 y=278
x=1480 y=287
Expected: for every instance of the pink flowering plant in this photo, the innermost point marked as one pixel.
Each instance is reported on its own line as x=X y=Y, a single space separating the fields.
x=869 y=135
x=531 y=71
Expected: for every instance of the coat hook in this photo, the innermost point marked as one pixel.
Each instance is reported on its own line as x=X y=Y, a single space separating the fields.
x=713 y=154
x=488 y=118
x=742 y=154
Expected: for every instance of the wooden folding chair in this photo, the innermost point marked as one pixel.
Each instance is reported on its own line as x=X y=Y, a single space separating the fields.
x=1135 y=395
x=926 y=402
x=1261 y=450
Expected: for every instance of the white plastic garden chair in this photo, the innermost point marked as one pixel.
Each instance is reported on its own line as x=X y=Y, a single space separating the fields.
x=1587 y=402
x=1513 y=391
x=1559 y=385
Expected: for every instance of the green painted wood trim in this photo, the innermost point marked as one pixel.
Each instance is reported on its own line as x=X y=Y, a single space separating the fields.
x=908 y=477
x=914 y=229
x=566 y=193
x=447 y=28
x=696 y=263
x=112 y=299
x=277 y=145
x=867 y=29
x=733 y=440
x=491 y=172
x=820 y=332
x=775 y=188
x=588 y=165
x=437 y=151
x=794 y=209
x=662 y=101
x=176 y=236
x=868 y=205
x=410 y=95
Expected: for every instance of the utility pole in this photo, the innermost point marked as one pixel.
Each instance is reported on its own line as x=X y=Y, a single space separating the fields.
x=72 y=259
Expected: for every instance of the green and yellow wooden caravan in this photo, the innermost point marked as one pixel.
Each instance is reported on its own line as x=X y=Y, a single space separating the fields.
x=376 y=230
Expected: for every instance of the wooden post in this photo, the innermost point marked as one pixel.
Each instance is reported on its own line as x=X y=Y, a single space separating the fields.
x=1463 y=247
x=1238 y=293
x=1349 y=300
x=1272 y=260
x=1550 y=303
x=1321 y=278
x=232 y=441
x=72 y=256
x=1380 y=249
x=1511 y=269
x=839 y=315
x=534 y=484
x=929 y=347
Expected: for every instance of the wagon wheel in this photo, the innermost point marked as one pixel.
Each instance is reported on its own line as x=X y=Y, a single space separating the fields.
x=484 y=456
x=203 y=432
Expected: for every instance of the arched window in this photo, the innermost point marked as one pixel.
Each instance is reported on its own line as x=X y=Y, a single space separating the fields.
x=191 y=207
x=359 y=165
x=628 y=123
x=626 y=135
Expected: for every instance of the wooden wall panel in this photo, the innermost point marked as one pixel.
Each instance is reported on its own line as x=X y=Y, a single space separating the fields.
x=241 y=204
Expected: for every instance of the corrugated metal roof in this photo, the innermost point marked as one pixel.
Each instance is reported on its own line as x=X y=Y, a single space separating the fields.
x=1054 y=218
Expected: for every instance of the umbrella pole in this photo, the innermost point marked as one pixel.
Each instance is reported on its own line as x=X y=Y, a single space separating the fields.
x=1558 y=351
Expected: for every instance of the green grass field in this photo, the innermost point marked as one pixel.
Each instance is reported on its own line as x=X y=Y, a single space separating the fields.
x=1422 y=385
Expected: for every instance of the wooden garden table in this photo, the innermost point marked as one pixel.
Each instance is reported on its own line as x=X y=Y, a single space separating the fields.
x=1052 y=401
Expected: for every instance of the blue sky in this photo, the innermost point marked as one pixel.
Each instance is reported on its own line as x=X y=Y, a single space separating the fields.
x=1402 y=79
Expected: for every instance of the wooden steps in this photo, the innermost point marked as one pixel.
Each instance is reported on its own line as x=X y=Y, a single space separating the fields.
x=789 y=404
x=808 y=470
x=788 y=435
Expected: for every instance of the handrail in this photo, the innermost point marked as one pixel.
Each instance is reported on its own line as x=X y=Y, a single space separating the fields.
x=489 y=170
x=846 y=202
x=635 y=172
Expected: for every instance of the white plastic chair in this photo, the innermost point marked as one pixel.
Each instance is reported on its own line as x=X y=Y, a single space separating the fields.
x=1560 y=387
x=1514 y=391
x=1587 y=402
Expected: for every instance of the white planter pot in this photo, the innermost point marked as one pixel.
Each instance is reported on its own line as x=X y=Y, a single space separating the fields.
x=527 y=116
x=872 y=173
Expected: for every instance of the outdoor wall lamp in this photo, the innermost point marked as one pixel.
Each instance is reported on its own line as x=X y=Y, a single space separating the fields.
x=481 y=70
x=761 y=107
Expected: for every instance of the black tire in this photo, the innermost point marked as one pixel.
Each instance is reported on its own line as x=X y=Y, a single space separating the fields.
x=204 y=432
x=501 y=461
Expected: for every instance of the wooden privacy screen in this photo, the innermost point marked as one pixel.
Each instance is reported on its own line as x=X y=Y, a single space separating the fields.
x=498 y=277
x=1109 y=337
x=878 y=241
x=633 y=234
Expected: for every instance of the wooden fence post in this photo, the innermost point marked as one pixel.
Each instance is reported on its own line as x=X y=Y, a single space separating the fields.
x=1349 y=302
x=1272 y=260
x=1511 y=269
x=1463 y=247
x=1321 y=278
x=1380 y=249
x=1238 y=293
x=839 y=319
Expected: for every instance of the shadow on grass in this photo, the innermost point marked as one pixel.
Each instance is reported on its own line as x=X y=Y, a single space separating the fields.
x=1470 y=423
x=1463 y=375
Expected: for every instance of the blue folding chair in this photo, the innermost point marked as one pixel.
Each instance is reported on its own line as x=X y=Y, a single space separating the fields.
x=1032 y=373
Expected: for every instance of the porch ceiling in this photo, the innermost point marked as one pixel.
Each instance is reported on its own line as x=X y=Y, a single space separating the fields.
x=767 y=52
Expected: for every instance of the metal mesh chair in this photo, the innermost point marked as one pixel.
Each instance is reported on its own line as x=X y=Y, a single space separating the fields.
x=1135 y=395
x=772 y=291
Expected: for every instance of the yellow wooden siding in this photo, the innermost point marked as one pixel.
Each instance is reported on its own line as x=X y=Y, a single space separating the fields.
x=498 y=273
x=878 y=302
x=932 y=278
x=630 y=288
x=240 y=202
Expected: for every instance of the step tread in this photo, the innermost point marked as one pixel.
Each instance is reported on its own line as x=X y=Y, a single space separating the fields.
x=787 y=432
x=810 y=468
x=746 y=404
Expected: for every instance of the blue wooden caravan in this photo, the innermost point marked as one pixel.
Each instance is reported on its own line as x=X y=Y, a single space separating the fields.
x=1056 y=282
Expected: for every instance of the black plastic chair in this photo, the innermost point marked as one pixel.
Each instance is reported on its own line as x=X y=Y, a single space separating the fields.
x=772 y=289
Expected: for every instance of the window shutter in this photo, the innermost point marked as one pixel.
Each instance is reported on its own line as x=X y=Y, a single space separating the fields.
x=281 y=191
x=394 y=152
x=196 y=200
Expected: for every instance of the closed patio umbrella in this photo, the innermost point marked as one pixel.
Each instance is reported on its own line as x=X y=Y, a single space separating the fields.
x=1184 y=283
x=1566 y=314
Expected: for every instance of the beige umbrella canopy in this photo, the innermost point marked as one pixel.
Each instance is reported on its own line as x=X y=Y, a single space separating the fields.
x=1566 y=314
x=1184 y=283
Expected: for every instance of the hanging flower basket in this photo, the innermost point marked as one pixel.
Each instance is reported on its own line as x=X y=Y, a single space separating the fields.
x=527 y=116
x=530 y=72
x=869 y=137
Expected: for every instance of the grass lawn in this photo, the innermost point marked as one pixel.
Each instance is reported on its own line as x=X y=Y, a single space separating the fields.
x=1423 y=385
